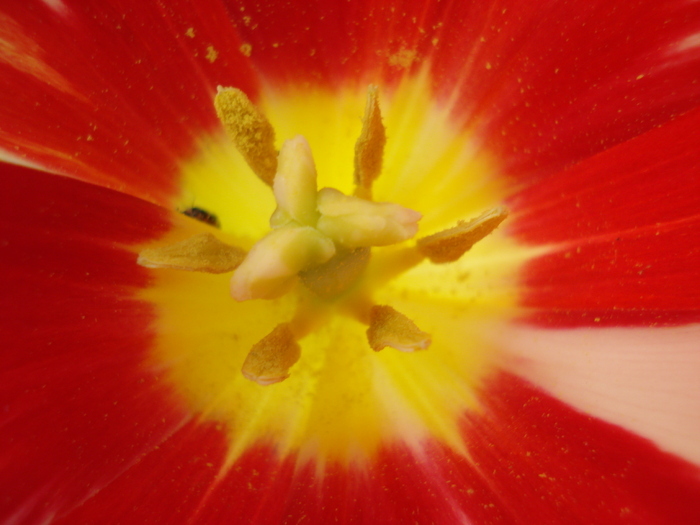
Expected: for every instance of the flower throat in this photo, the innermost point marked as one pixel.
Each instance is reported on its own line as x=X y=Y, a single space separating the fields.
x=320 y=243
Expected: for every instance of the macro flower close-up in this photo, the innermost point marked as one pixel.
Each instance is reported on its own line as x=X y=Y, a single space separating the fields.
x=341 y=261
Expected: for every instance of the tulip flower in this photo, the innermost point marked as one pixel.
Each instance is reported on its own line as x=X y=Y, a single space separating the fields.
x=327 y=261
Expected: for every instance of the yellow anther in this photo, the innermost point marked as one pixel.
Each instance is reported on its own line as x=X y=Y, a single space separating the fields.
x=271 y=358
x=249 y=130
x=387 y=327
x=369 y=148
x=201 y=253
x=449 y=245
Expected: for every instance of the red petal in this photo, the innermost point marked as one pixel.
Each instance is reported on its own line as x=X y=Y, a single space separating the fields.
x=533 y=460
x=624 y=224
x=549 y=464
x=115 y=92
x=79 y=403
x=546 y=84
x=168 y=485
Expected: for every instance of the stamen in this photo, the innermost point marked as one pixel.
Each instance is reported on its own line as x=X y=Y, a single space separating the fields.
x=449 y=245
x=201 y=253
x=369 y=148
x=249 y=130
x=271 y=358
x=387 y=327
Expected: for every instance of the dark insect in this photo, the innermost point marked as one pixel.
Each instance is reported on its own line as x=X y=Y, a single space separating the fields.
x=202 y=216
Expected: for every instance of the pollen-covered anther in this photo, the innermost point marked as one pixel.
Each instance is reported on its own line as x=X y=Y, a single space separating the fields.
x=388 y=327
x=449 y=245
x=369 y=148
x=201 y=253
x=250 y=131
x=271 y=358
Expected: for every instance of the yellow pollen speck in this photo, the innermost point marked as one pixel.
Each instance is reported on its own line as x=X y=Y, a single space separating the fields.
x=369 y=148
x=449 y=245
x=246 y=49
x=201 y=253
x=271 y=358
x=249 y=130
x=387 y=327
x=190 y=32
x=404 y=58
x=212 y=54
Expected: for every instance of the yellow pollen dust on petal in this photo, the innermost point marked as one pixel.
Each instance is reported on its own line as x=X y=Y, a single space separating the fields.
x=250 y=131
x=388 y=327
x=342 y=402
x=201 y=253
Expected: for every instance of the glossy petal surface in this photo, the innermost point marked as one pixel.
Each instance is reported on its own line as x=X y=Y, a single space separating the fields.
x=623 y=227
x=117 y=93
x=80 y=404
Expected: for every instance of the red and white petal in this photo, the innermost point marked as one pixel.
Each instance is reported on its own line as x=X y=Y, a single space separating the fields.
x=81 y=401
x=548 y=463
x=644 y=380
x=622 y=226
x=531 y=459
x=117 y=93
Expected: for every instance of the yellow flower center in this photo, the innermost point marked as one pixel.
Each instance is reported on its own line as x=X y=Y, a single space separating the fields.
x=342 y=400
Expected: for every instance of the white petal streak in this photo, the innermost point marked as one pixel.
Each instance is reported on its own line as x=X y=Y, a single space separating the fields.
x=57 y=6
x=646 y=380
